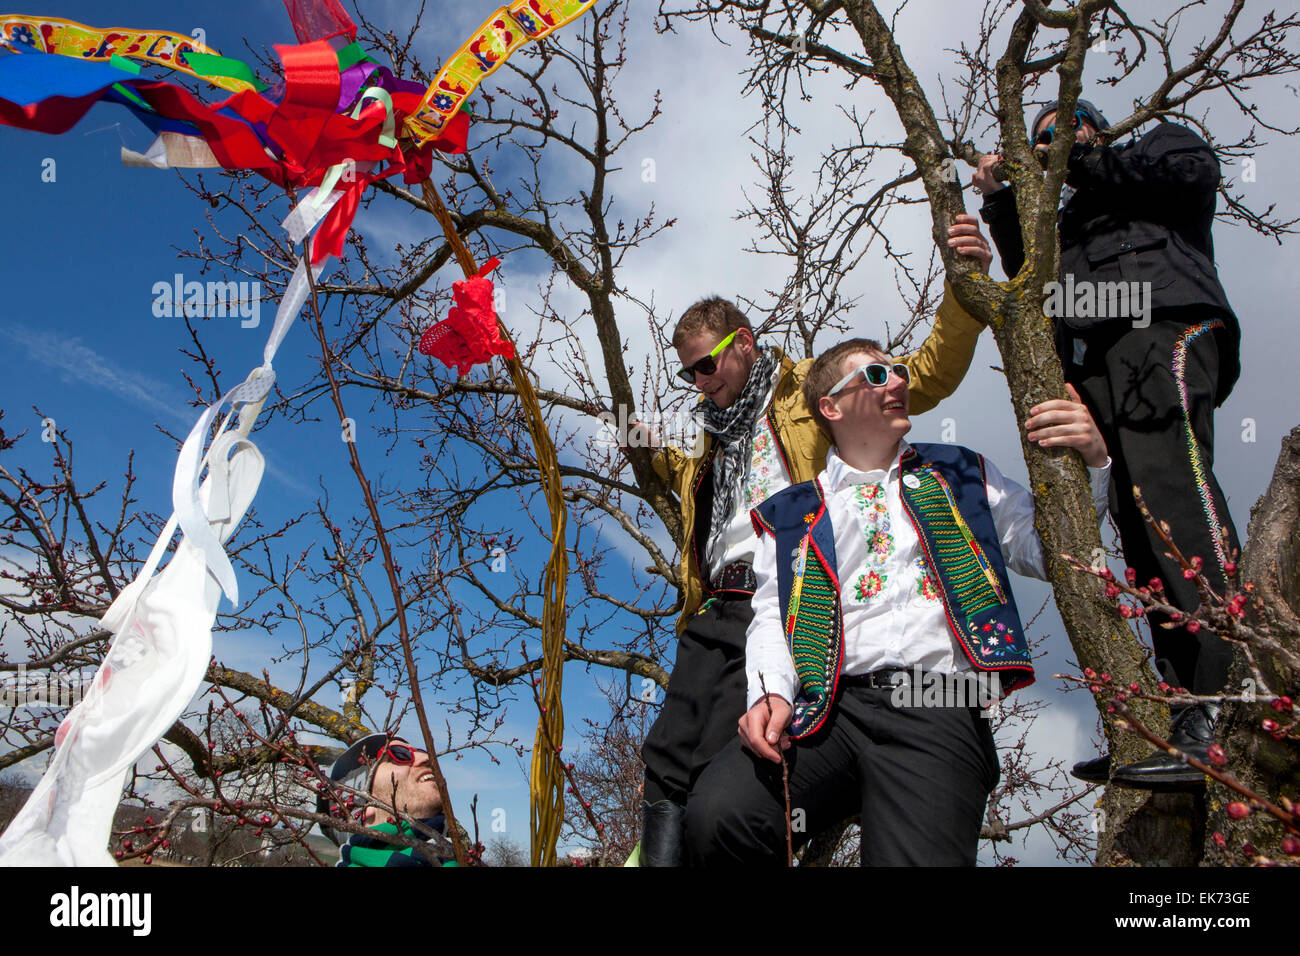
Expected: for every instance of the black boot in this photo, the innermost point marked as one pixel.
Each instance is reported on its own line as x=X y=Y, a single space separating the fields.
x=1192 y=732
x=663 y=833
x=1096 y=770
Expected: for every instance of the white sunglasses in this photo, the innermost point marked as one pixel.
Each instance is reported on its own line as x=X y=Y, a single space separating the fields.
x=876 y=375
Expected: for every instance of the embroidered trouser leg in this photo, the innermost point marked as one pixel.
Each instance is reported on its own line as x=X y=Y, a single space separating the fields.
x=919 y=776
x=705 y=699
x=1153 y=393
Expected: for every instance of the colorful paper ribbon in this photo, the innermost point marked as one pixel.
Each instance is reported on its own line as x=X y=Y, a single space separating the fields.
x=501 y=34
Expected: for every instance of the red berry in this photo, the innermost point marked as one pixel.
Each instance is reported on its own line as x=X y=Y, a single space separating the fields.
x=1164 y=688
x=1193 y=626
x=1189 y=574
x=1281 y=704
x=1217 y=756
x=1237 y=810
x=1112 y=591
x=1195 y=562
x=1176 y=616
x=1089 y=673
x=1134 y=688
x=1105 y=677
x=1156 y=584
x=1139 y=611
x=1125 y=611
x=1291 y=846
x=1269 y=725
x=1130 y=576
x=1230 y=567
x=1219 y=839
x=1248 y=849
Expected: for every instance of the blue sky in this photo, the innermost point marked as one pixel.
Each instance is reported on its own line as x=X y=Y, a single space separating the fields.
x=81 y=255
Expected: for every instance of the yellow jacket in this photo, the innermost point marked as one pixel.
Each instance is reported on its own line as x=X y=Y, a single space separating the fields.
x=937 y=368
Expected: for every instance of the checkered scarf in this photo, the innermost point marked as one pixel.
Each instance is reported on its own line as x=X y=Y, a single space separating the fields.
x=733 y=429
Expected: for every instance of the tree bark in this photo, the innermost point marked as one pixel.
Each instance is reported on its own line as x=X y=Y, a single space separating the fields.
x=1268 y=766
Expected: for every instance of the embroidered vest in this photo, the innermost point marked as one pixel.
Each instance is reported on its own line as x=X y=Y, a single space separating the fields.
x=943 y=492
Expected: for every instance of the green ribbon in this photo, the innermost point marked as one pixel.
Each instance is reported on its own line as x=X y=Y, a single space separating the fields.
x=351 y=55
x=130 y=66
x=212 y=64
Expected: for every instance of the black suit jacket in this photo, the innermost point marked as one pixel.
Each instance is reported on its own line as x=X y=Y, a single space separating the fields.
x=1142 y=212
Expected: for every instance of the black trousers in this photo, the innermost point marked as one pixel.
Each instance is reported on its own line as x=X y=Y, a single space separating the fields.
x=1153 y=392
x=919 y=776
x=705 y=699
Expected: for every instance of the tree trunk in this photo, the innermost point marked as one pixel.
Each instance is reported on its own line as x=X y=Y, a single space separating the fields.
x=1269 y=767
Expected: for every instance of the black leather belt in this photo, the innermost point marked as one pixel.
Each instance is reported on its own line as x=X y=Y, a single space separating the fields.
x=735 y=577
x=879 y=679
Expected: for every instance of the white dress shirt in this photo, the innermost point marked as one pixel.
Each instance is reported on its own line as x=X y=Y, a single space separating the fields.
x=893 y=614
x=764 y=477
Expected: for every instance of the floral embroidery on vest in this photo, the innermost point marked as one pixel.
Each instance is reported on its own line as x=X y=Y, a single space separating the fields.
x=991 y=640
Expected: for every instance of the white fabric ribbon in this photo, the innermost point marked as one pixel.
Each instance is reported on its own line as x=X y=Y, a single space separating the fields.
x=162 y=624
x=147 y=679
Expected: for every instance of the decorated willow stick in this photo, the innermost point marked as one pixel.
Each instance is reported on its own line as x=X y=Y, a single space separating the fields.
x=547 y=777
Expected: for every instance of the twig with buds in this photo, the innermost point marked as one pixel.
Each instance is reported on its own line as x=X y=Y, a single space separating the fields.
x=1288 y=814
x=785 y=779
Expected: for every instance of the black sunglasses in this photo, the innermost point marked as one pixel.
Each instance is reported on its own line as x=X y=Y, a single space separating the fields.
x=708 y=364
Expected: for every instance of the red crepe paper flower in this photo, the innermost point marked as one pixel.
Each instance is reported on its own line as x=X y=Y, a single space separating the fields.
x=469 y=335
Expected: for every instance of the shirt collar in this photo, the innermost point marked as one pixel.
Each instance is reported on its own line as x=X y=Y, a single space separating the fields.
x=839 y=473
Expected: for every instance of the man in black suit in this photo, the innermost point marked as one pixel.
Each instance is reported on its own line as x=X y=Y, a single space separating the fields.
x=1145 y=333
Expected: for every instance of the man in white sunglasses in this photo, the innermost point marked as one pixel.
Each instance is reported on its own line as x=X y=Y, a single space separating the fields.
x=883 y=627
x=758 y=436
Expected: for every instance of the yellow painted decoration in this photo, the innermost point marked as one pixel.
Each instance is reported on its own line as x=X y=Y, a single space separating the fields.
x=69 y=38
x=513 y=25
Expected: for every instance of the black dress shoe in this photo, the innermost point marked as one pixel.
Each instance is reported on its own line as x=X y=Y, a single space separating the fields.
x=1192 y=732
x=1096 y=770
x=663 y=833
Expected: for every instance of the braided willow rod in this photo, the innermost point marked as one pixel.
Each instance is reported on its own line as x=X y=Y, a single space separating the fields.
x=546 y=783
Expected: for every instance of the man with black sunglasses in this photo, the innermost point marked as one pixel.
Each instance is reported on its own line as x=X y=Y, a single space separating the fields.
x=399 y=779
x=883 y=628
x=1135 y=219
x=757 y=436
